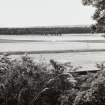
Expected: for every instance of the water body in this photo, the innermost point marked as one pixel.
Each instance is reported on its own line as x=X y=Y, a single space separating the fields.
x=87 y=60
x=66 y=43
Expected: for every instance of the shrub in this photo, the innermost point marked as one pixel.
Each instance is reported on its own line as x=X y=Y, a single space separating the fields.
x=23 y=80
x=94 y=94
x=19 y=79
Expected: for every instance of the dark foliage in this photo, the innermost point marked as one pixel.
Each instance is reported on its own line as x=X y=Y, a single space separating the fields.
x=99 y=15
x=45 y=30
x=25 y=82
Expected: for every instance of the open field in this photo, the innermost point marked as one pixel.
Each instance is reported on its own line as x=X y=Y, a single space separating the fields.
x=82 y=50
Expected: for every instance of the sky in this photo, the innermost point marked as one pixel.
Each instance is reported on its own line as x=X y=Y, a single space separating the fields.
x=29 y=13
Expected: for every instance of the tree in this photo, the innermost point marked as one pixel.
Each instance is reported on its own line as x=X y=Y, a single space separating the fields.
x=99 y=14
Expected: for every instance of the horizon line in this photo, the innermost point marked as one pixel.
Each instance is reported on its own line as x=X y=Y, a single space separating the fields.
x=49 y=26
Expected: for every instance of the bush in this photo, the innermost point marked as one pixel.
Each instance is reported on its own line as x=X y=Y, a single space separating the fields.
x=25 y=82
x=20 y=80
x=92 y=90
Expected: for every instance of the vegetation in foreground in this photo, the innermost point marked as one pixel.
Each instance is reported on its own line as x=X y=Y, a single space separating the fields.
x=25 y=82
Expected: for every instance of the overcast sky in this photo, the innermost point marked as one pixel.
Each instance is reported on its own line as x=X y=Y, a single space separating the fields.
x=20 y=13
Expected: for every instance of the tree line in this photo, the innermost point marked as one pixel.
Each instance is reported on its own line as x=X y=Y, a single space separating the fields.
x=44 y=30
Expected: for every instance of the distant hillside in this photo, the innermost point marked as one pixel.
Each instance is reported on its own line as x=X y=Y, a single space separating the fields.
x=45 y=30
